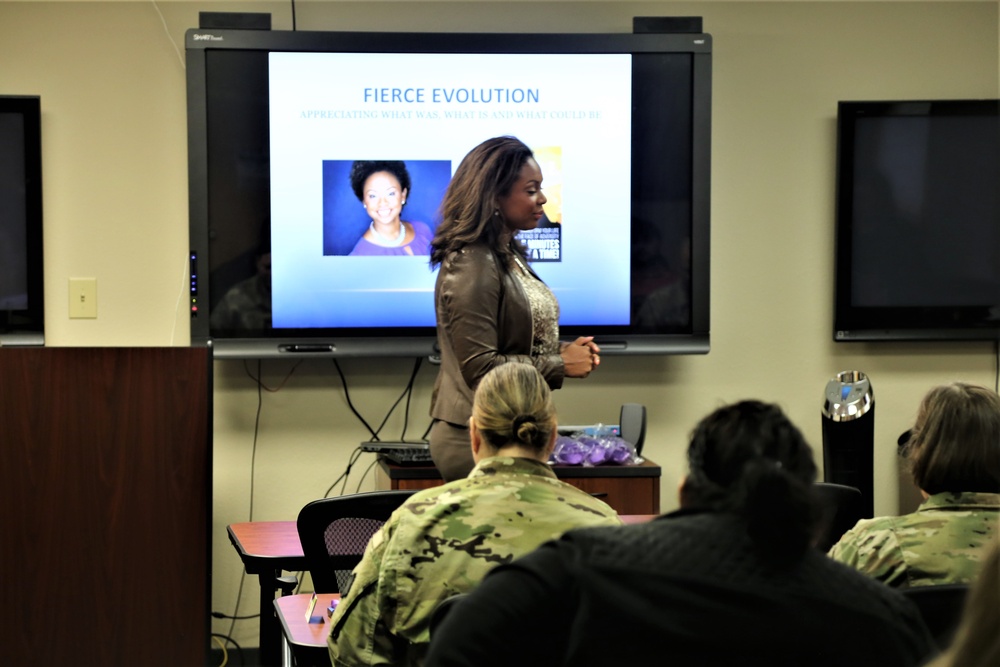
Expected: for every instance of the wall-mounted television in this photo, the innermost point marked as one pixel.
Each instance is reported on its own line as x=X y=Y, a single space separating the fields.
x=22 y=302
x=620 y=124
x=918 y=220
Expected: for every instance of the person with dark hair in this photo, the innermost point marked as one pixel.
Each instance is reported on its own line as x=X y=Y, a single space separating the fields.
x=443 y=540
x=491 y=307
x=953 y=452
x=382 y=186
x=731 y=578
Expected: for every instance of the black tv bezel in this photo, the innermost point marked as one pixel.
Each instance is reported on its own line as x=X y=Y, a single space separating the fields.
x=911 y=323
x=27 y=327
x=420 y=341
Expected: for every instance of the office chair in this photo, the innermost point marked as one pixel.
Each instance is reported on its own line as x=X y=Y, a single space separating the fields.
x=335 y=531
x=841 y=507
x=941 y=608
x=632 y=425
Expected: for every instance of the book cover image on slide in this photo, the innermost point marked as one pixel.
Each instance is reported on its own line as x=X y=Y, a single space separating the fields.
x=544 y=242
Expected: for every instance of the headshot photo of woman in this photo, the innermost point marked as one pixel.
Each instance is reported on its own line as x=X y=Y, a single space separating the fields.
x=381 y=187
x=382 y=207
x=491 y=307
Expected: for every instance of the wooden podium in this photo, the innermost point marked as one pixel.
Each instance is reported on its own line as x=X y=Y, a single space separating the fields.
x=105 y=500
x=628 y=489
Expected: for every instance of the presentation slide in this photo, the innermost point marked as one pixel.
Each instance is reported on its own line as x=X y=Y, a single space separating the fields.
x=427 y=111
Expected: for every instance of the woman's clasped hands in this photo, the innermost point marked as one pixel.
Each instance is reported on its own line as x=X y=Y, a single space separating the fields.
x=580 y=357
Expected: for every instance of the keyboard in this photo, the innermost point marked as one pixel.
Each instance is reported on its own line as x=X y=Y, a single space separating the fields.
x=401 y=453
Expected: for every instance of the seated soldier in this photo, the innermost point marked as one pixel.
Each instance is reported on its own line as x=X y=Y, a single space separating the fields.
x=953 y=453
x=443 y=540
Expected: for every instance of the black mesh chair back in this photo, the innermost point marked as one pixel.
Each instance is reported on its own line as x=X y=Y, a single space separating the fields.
x=841 y=508
x=335 y=531
x=941 y=608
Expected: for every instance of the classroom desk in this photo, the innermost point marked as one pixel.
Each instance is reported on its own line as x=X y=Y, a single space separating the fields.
x=268 y=547
x=306 y=640
x=627 y=489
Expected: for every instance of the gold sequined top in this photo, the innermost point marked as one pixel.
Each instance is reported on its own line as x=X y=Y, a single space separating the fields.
x=544 y=311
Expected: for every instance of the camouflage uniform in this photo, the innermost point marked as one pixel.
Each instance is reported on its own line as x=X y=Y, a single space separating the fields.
x=941 y=543
x=441 y=542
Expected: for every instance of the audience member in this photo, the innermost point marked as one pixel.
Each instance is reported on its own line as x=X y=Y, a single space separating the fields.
x=731 y=578
x=954 y=455
x=443 y=540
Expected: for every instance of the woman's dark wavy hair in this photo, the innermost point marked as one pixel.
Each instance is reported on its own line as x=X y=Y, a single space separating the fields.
x=468 y=212
x=362 y=169
x=749 y=459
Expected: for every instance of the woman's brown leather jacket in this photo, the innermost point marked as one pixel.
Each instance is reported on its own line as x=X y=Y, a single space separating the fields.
x=483 y=320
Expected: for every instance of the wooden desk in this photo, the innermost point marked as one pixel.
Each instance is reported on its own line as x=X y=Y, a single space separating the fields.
x=628 y=489
x=307 y=640
x=266 y=548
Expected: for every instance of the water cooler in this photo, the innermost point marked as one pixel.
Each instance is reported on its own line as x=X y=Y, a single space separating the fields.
x=849 y=435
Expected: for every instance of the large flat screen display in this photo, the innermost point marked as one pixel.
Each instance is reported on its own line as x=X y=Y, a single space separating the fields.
x=918 y=221
x=619 y=124
x=22 y=311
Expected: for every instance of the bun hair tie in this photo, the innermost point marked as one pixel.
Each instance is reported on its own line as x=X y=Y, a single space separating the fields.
x=520 y=420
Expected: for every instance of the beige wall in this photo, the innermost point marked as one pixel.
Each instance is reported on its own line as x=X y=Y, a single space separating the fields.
x=111 y=77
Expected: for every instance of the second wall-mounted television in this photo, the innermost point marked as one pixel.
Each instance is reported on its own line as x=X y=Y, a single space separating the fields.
x=22 y=293
x=620 y=124
x=918 y=220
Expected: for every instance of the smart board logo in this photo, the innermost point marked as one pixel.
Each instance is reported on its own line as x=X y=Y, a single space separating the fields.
x=208 y=38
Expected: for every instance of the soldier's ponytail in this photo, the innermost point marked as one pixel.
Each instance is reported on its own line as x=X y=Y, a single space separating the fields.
x=748 y=459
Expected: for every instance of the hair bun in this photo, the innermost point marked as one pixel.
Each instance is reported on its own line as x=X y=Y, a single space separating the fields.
x=520 y=421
